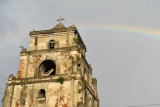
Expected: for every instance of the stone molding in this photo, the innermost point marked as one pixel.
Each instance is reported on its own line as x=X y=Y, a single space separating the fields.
x=47 y=79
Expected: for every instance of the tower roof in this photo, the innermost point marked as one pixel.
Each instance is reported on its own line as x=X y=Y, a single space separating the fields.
x=58 y=28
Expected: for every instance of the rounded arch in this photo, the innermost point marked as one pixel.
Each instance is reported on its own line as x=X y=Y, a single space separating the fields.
x=46 y=68
x=42 y=93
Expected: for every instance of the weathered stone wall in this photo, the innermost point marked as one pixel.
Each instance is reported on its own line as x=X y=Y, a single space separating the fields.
x=74 y=92
x=68 y=58
x=56 y=94
x=42 y=40
x=36 y=58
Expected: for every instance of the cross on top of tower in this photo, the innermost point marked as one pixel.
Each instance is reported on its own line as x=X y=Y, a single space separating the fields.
x=60 y=19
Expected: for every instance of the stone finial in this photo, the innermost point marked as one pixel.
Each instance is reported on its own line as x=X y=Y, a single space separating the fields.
x=73 y=26
x=23 y=50
x=10 y=77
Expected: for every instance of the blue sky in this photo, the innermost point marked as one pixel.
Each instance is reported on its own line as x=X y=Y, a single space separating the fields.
x=126 y=64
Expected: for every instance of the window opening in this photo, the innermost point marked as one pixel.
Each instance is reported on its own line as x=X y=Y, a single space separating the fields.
x=42 y=93
x=51 y=44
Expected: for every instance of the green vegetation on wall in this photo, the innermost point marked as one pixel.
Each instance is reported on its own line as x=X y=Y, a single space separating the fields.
x=60 y=80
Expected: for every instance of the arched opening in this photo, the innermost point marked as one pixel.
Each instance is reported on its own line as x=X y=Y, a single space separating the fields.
x=42 y=93
x=51 y=44
x=47 y=68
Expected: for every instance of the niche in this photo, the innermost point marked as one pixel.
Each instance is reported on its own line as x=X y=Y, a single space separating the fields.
x=42 y=93
x=41 y=99
x=78 y=65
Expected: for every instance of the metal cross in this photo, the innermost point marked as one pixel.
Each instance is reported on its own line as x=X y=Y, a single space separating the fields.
x=60 y=19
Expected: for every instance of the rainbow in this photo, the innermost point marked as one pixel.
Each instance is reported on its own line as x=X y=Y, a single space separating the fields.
x=150 y=32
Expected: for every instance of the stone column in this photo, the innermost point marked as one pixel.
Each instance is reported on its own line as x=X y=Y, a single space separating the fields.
x=72 y=93
x=22 y=73
x=90 y=77
x=94 y=82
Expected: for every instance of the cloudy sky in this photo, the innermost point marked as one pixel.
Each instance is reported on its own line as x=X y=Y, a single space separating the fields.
x=122 y=39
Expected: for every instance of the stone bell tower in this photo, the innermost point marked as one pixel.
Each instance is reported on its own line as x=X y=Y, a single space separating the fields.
x=54 y=72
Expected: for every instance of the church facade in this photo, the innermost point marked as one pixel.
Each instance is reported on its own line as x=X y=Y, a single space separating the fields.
x=54 y=72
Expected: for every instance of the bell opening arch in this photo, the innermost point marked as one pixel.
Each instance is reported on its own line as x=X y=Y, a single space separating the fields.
x=46 y=68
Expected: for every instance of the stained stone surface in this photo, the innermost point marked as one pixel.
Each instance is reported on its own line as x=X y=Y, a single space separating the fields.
x=58 y=76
